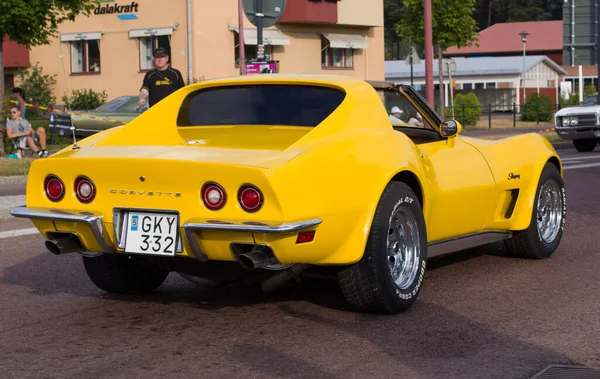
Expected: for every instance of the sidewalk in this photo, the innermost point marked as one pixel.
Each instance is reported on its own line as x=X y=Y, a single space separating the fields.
x=9 y=202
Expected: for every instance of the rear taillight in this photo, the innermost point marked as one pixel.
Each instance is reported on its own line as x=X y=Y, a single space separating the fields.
x=54 y=188
x=250 y=198
x=85 y=191
x=213 y=196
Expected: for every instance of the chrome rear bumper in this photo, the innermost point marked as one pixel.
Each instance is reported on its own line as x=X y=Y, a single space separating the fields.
x=94 y=222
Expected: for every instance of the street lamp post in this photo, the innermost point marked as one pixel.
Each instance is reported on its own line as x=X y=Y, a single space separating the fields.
x=524 y=35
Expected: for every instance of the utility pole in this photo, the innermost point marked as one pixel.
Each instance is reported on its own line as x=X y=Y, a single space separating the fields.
x=260 y=49
x=410 y=54
x=429 y=54
x=598 y=44
x=241 y=44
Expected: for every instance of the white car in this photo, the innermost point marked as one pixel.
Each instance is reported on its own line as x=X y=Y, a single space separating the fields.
x=580 y=123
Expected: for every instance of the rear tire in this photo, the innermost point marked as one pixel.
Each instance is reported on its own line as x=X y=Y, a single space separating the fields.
x=541 y=239
x=388 y=277
x=584 y=145
x=124 y=274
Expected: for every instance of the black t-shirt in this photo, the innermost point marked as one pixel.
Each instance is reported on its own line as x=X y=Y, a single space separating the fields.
x=161 y=84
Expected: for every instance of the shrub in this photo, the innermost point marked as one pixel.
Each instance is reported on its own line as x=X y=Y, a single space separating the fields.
x=537 y=107
x=38 y=89
x=85 y=100
x=467 y=108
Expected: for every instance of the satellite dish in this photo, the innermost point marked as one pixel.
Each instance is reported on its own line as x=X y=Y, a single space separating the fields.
x=271 y=9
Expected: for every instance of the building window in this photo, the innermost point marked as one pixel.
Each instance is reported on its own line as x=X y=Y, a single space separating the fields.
x=467 y=85
x=85 y=56
x=490 y=85
x=479 y=85
x=334 y=57
x=250 y=51
x=147 y=47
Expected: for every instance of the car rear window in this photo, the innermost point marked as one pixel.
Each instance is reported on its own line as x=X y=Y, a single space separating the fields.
x=287 y=105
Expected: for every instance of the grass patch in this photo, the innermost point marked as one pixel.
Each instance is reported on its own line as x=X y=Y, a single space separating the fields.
x=12 y=167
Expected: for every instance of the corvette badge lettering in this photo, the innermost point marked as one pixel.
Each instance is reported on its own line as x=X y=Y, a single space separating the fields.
x=513 y=176
x=141 y=193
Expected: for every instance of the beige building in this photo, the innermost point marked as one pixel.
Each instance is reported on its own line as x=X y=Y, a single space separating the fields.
x=111 y=49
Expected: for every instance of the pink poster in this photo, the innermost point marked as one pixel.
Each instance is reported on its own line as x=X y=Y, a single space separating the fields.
x=261 y=67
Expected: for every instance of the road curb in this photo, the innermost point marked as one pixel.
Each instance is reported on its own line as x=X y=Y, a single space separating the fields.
x=13 y=180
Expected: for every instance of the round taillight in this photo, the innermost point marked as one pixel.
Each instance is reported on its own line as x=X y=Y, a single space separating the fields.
x=85 y=191
x=213 y=196
x=54 y=188
x=250 y=198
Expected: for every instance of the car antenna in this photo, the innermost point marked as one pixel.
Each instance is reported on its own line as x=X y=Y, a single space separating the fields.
x=75 y=146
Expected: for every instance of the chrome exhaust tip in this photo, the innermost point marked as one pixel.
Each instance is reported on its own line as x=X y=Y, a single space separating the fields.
x=259 y=256
x=63 y=246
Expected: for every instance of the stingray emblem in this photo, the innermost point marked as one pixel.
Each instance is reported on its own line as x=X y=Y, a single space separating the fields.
x=513 y=176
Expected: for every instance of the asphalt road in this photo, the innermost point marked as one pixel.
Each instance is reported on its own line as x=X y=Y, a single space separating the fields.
x=479 y=315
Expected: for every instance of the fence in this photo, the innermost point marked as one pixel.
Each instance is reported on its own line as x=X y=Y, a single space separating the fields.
x=540 y=113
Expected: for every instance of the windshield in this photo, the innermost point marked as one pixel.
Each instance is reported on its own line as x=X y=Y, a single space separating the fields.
x=401 y=111
x=270 y=104
x=590 y=100
x=122 y=104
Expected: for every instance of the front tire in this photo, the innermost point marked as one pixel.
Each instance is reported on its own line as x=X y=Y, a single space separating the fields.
x=388 y=277
x=124 y=274
x=584 y=145
x=541 y=239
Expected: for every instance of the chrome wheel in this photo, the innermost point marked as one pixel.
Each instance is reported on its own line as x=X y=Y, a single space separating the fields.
x=403 y=248
x=549 y=211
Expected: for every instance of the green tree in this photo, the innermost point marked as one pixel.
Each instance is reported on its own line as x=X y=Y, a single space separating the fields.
x=33 y=23
x=392 y=12
x=452 y=23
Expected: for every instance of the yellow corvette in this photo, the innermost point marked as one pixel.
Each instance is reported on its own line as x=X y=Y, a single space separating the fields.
x=274 y=175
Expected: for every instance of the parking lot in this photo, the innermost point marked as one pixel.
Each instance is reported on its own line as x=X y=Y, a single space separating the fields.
x=479 y=315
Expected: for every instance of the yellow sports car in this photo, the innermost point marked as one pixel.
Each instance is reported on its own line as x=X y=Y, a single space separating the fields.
x=278 y=175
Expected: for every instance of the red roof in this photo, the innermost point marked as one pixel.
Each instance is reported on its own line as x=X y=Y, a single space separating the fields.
x=505 y=38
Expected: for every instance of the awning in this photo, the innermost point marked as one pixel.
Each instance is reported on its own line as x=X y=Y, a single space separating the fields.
x=270 y=37
x=147 y=32
x=84 y=36
x=346 y=41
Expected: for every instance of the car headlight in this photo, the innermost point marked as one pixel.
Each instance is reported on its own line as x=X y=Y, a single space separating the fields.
x=566 y=121
x=574 y=120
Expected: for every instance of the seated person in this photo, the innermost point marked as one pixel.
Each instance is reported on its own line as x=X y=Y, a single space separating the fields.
x=395 y=116
x=415 y=119
x=20 y=131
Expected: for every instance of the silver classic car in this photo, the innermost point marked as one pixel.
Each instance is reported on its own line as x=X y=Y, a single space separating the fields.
x=581 y=124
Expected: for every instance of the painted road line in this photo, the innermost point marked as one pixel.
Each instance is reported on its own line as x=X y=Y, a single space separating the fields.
x=580 y=158
x=582 y=166
x=18 y=232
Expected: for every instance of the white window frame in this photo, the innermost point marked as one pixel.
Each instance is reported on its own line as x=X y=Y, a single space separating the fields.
x=80 y=58
x=328 y=53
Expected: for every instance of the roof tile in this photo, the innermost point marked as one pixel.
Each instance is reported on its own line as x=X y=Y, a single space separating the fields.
x=504 y=38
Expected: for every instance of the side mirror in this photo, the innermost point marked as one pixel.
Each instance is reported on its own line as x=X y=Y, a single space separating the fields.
x=451 y=128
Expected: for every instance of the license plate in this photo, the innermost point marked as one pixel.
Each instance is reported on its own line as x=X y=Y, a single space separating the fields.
x=152 y=233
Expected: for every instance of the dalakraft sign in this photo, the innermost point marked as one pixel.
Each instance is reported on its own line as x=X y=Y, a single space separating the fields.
x=116 y=8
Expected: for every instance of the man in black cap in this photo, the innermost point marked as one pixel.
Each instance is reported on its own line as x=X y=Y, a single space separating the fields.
x=160 y=82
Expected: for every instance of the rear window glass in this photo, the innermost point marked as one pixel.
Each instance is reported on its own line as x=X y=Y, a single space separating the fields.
x=289 y=105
